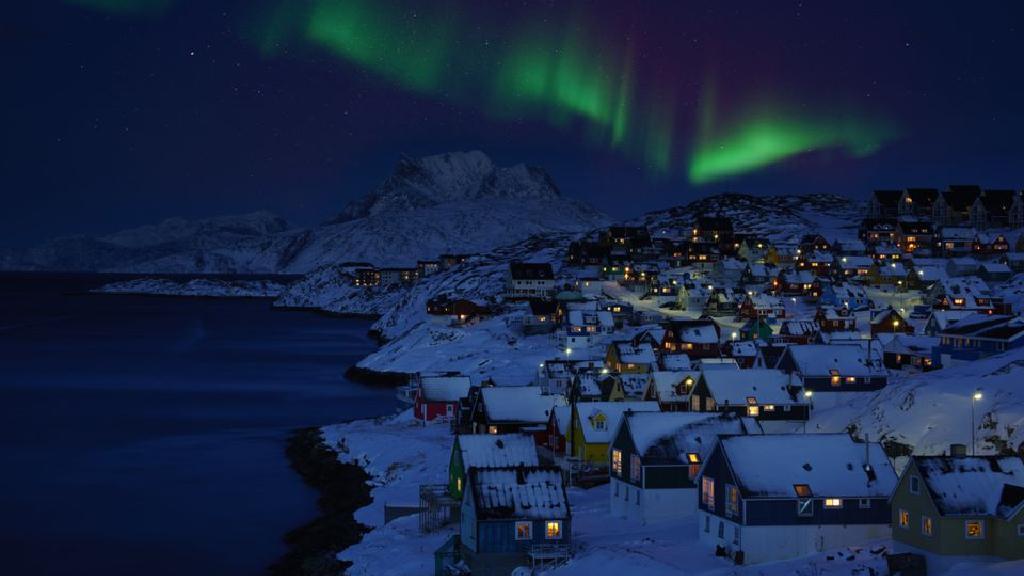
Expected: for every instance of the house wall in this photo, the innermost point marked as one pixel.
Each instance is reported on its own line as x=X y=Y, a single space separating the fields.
x=773 y=543
x=1007 y=540
x=650 y=504
x=498 y=536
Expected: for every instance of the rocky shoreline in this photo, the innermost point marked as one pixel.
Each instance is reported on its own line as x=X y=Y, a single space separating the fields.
x=343 y=488
x=376 y=379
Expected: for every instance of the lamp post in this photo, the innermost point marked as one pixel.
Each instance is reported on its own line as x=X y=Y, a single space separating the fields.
x=974 y=399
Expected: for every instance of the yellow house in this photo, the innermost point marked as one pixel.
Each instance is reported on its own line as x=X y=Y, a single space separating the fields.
x=625 y=357
x=594 y=425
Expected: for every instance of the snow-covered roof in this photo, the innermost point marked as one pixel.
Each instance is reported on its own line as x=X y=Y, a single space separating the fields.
x=846 y=359
x=444 y=388
x=673 y=435
x=667 y=384
x=697 y=333
x=676 y=362
x=762 y=301
x=744 y=349
x=600 y=419
x=518 y=403
x=910 y=345
x=734 y=387
x=996 y=268
x=831 y=465
x=969 y=485
x=497 y=450
x=591 y=318
x=634 y=384
x=706 y=364
x=856 y=262
x=840 y=336
x=635 y=353
x=535 y=493
x=953 y=233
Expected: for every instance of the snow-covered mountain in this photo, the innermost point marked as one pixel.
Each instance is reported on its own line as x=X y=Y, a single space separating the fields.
x=457 y=202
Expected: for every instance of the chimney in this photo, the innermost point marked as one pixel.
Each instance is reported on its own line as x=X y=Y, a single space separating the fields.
x=958 y=450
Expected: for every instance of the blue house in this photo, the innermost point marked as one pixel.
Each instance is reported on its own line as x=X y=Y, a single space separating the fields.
x=513 y=517
x=775 y=497
x=847 y=366
x=978 y=335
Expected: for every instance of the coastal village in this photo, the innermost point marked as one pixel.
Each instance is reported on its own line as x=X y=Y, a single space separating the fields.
x=694 y=395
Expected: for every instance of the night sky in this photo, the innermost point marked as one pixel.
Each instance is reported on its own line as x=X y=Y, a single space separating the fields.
x=118 y=113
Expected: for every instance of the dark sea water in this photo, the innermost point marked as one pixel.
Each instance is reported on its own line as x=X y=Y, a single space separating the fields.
x=145 y=436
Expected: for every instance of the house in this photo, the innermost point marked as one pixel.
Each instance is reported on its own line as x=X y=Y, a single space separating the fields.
x=991 y=244
x=903 y=351
x=452 y=260
x=744 y=352
x=396 y=276
x=438 y=397
x=530 y=280
x=952 y=207
x=556 y=375
x=914 y=236
x=542 y=317
x=583 y=327
x=817 y=262
x=814 y=243
x=367 y=276
x=425 y=268
x=712 y=230
x=585 y=253
x=692 y=297
x=455 y=311
x=765 y=498
x=964 y=293
x=850 y=295
x=962 y=266
x=795 y=282
x=723 y=302
x=854 y=367
x=675 y=363
x=624 y=356
x=761 y=394
x=754 y=249
x=994 y=271
x=955 y=241
x=991 y=209
x=671 y=390
x=655 y=458
x=874 y=231
x=979 y=335
x=634 y=239
x=593 y=424
x=558 y=430
x=892 y=274
x=940 y=319
x=918 y=202
x=850 y=247
x=884 y=253
x=834 y=319
x=695 y=338
x=797 y=331
x=884 y=203
x=756 y=329
x=592 y=386
x=514 y=516
x=961 y=505
x=471 y=451
x=889 y=321
x=762 y=306
x=854 y=266
x=509 y=409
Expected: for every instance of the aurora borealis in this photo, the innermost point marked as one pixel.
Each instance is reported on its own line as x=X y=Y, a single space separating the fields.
x=299 y=105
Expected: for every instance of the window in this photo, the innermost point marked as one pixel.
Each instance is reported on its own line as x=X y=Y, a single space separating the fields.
x=693 y=458
x=974 y=529
x=492 y=429
x=805 y=508
x=707 y=491
x=634 y=468
x=802 y=490
x=458 y=484
x=833 y=502
x=915 y=485
x=617 y=462
x=553 y=530
x=721 y=529
x=926 y=525
x=524 y=530
x=732 y=500
x=904 y=519
x=864 y=503
x=1020 y=530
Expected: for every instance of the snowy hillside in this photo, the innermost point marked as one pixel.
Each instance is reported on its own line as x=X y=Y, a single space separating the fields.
x=780 y=218
x=451 y=203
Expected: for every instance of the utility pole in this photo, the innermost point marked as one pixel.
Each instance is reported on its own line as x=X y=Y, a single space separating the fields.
x=974 y=399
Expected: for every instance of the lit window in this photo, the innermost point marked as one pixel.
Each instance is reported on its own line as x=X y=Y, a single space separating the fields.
x=753 y=411
x=732 y=500
x=458 y=484
x=974 y=529
x=802 y=490
x=904 y=519
x=617 y=462
x=553 y=530
x=833 y=502
x=492 y=429
x=634 y=467
x=693 y=458
x=926 y=525
x=707 y=491
x=769 y=408
x=524 y=530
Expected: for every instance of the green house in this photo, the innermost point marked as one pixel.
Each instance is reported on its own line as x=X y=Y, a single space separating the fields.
x=756 y=329
x=961 y=505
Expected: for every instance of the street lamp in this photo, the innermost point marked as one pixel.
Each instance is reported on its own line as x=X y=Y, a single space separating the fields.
x=568 y=351
x=974 y=399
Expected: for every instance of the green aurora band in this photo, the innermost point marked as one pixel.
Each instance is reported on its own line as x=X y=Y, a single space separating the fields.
x=769 y=134
x=556 y=71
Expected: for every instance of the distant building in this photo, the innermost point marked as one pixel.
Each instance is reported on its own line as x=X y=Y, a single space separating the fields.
x=530 y=280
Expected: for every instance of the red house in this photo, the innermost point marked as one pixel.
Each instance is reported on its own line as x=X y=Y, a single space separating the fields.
x=438 y=397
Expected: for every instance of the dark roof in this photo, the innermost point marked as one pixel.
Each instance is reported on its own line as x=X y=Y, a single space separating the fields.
x=543 y=307
x=915 y=227
x=922 y=195
x=888 y=197
x=531 y=271
x=997 y=202
x=961 y=196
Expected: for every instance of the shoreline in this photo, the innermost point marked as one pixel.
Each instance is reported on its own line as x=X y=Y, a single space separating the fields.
x=343 y=489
